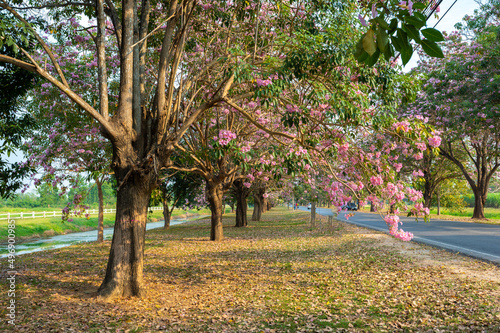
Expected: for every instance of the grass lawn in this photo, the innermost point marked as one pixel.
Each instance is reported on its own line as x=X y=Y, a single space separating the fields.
x=43 y=227
x=277 y=275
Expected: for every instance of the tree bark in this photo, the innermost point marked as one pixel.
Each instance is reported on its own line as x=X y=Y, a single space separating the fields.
x=214 y=196
x=100 y=218
x=438 y=204
x=124 y=273
x=257 y=207
x=258 y=198
x=167 y=214
x=372 y=207
x=241 y=193
x=480 y=201
x=427 y=193
x=330 y=221
x=263 y=206
x=313 y=214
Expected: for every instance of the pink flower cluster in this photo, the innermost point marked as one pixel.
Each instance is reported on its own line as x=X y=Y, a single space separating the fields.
x=376 y=180
x=263 y=83
x=225 y=137
x=435 y=141
x=393 y=222
x=402 y=126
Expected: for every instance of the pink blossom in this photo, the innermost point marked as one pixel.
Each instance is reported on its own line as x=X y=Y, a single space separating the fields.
x=376 y=180
x=421 y=146
x=225 y=137
x=435 y=141
x=362 y=20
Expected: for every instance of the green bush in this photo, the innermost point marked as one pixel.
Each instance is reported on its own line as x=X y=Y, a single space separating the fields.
x=453 y=203
x=492 y=200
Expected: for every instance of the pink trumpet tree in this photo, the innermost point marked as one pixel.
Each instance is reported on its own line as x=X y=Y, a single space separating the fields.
x=177 y=60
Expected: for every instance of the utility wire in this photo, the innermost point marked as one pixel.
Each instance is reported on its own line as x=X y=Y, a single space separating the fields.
x=445 y=13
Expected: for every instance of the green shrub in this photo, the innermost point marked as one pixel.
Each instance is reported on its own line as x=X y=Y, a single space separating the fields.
x=492 y=200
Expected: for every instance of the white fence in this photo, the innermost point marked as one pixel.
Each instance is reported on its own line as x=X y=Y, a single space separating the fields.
x=32 y=215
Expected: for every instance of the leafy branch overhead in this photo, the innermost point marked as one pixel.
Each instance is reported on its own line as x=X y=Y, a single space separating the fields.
x=393 y=27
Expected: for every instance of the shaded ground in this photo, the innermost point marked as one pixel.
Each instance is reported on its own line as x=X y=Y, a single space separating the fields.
x=278 y=275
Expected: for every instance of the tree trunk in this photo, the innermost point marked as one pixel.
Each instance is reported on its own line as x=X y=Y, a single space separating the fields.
x=214 y=196
x=264 y=205
x=438 y=204
x=167 y=214
x=241 y=193
x=257 y=210
x=427 y=194
x=124 y=273
x=372 y=207
x=479 y=201
x=100 y=218
x=313 y=214
x=269 y=206
x=330 y=221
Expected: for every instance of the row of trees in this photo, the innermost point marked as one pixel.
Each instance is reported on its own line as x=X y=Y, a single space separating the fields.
x=237 y=92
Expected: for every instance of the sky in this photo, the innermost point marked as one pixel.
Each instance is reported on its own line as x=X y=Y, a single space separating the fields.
x=459 y=9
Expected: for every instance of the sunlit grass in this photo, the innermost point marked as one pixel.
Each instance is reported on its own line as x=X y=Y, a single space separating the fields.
x=489 y=213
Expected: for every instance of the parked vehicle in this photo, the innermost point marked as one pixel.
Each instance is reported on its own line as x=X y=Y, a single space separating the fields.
x=309 y=206
x=350 y=206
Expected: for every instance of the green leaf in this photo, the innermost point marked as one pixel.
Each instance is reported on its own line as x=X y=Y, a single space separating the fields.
x=416 y=22
x=420 y=16
x=382 y=39
x=431 y=48
x=394 y=24
x=369 y=43
x=372 y=60
x=406 y=52
x=412 y=32
x=397 y=45
x=418 y=5
x=433 y=34
x=359 y=49
x=388 y=52
x=381 y=22
x=406 y=49
x=362 y=58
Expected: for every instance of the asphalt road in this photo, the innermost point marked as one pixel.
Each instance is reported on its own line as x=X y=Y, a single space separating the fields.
x=473 y=239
